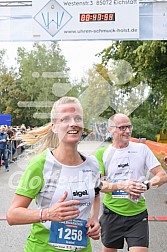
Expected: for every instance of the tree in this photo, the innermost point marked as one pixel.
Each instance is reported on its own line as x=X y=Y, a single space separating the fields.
x=149 y=63
x=42 y=73
x=2 y=61
x=29 y=90
x=142 y=128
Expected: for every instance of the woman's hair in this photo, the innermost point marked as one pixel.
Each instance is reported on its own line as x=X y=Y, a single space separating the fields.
x=44 y=136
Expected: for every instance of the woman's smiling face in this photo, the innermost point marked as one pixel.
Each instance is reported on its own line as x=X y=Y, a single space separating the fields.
x=69 y=122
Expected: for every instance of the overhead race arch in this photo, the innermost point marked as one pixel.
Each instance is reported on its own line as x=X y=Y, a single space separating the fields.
x=48 y=20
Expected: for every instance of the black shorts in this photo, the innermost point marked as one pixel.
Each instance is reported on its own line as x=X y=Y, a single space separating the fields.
x=115 y=228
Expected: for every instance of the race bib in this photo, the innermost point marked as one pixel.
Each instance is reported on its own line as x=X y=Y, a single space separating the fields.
x=68 y=235
x=119 y=193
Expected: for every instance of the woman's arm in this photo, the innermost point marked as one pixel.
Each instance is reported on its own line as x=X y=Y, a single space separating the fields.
x=19 y=213
x=93 y=223
x=62 y=210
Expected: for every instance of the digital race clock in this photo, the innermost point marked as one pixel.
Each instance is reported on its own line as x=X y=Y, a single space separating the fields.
x=93 y=17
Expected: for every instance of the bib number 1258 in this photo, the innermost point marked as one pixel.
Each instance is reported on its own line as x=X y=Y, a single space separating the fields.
x=71 y=232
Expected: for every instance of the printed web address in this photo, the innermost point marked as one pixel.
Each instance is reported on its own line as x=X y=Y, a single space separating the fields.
x=103 y=31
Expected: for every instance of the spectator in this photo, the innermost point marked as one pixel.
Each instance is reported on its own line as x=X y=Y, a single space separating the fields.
x=11 y=145
x=3 y=147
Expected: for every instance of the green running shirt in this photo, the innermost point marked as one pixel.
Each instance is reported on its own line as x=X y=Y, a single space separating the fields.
x=45 y=180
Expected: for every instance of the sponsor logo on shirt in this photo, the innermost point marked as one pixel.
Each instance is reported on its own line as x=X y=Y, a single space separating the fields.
x=84 y=170
x=123 y=165
x=80 y=193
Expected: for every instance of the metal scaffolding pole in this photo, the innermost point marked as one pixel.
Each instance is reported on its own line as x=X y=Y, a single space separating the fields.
x=12 y=3
x=15 y=3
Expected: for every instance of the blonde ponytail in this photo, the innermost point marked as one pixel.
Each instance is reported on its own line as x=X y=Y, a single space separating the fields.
x=42 y=138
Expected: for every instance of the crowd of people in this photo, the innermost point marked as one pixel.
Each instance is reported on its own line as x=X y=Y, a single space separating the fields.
x=98 y=132
x=10 y=144
x=66 y=186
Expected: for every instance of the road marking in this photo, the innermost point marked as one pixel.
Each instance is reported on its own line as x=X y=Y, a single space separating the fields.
x=150 y=218
x=157 y=218
x=2 y=217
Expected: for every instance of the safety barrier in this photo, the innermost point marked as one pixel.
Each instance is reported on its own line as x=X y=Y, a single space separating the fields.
x=14 y=149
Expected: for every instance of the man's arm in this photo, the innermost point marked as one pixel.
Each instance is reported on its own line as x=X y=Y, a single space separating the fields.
x=159 y=178
x=133 y=187
x=110 y=186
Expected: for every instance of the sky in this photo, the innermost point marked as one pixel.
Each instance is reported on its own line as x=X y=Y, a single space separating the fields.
x=80 y=55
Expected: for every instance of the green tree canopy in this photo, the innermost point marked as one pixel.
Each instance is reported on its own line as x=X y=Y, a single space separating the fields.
x=41 y=77
x=148 y=60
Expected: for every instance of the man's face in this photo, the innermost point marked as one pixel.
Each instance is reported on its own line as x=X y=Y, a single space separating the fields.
x=2 y=129
x=122 y=129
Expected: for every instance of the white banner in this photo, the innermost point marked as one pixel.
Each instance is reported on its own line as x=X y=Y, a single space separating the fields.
x=27 y=23
x=160 y=15
x=16 y=23
x=85 y=19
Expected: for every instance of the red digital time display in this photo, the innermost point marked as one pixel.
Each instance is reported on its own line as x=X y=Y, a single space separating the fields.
x=93 y=17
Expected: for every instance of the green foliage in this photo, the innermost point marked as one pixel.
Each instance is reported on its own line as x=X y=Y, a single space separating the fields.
x=95 y=98
x=149 y=63
x=28 y=84
x=142 y=128
x=29 y=91
x=3 y=68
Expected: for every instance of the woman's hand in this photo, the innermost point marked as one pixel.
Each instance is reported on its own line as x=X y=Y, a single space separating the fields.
x=63 y=210
x=93 y=229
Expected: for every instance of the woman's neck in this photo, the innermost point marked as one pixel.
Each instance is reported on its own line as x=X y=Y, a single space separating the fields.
x=67 y=155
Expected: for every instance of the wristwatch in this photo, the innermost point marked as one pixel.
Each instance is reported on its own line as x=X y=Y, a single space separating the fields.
x=101 y=185
x=98 y=189
x=147 y=184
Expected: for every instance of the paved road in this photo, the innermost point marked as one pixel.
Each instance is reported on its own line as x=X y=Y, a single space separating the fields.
x=12 y=239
